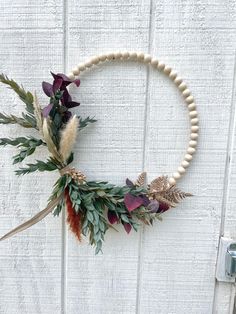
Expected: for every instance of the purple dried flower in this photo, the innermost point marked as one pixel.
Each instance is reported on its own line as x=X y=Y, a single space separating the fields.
x=127 y=227
x=112 y=217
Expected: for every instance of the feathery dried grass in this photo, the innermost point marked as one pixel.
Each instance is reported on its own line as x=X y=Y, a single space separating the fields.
x=48 y=140
x=38 y=114
x=68 y=138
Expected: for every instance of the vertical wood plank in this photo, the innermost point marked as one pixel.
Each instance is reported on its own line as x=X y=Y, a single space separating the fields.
x=111 y=149
x=31 y=46
x=178 y=256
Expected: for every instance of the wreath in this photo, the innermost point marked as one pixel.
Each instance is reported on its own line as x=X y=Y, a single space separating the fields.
x=92 y=206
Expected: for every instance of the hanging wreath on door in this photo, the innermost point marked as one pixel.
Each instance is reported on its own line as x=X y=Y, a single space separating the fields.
x=92 y=206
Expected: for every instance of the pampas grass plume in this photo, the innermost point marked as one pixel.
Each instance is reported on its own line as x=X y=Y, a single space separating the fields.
x=68 y=138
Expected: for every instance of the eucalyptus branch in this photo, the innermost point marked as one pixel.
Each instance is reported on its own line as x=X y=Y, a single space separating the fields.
x=41 y=166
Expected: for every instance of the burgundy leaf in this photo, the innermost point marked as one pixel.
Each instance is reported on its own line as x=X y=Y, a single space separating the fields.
x=66 y=80
x=112 y=218
x=57 y=84
x=163 y=207
x=146 y=200
x=72 y=104
x=129 y=183
x=127 y=227
x=46 y=110
x=132 y=202
x=47 y=88
x=77 y=82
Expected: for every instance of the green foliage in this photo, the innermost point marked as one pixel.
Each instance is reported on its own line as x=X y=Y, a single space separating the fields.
x=25 y=96
x=27 y=146
x=84 y=122
x=12 y=119
x=50 y=165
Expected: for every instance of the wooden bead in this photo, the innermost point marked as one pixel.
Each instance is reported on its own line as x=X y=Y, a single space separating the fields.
x=71 y=76
x=76 y=70
x=178 y=80
x=147 y=58
x=182 y=86
x=186 y=92
x=172 y=181
x=154 y=62
x=103 y=57
x=95 y=60
x=167 y=70
x=133 y=55
x=193 y=114
x=81 y=67
x=117 y=55
x=194 y=121
x=185 y=163
x=194 y=136
x=140 y=56
x=194 y=128
x=160 y=66
x=191 y=150
x=189 y=99
x=176 y=175
x=88 y=64
x=173 y=75
x=125 y=55
x=110 y=55
x=191 y=106
x=188 y=157
x=181 y=170
x=192 y=143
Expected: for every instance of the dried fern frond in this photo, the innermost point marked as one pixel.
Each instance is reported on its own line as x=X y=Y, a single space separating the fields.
x=162 y=199
x=175 y=195
x=48 y=140
x=68 y=137
x=141 y=179
x=159 y=184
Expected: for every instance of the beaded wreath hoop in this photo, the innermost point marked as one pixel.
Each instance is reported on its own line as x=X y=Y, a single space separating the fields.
x=92 y=207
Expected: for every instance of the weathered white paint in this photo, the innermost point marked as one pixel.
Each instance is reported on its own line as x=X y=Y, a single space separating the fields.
x=167 y=269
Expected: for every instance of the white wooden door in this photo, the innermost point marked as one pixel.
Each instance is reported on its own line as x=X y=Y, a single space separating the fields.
x=142 y=123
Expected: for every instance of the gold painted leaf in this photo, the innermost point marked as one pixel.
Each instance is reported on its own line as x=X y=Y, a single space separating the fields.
x=159 y=185
x=141 y=179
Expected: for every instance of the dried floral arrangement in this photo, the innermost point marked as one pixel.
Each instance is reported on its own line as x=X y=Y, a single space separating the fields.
x=92 y=207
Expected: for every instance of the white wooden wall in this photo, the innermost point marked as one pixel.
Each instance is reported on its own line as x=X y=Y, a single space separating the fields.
x=142 y=123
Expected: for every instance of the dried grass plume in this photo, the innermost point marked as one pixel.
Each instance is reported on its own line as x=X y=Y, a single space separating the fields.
x=68 y=138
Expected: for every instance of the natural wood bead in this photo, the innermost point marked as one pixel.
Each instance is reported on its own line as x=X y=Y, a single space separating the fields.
x=133 y=55
x=167 y=70
x=110 y=55
x=173 y=75
x=185 y=163
x=188 y=157
x=194 y=136
x=182 y=86
x=154 y=62
x=125 y=55
x=103 y=57
x=181 y=170
x=176 y=175
x=172 y=181
x=140 y=56
x=160 y=66
x=192 y=143
x=117 y=55
x=178 y=80
x=88 y=64
x=71 y=76
x=147 y=58
x=194 y=128
x=189 y=99
x=194 y=121
x=191 y=106
x=186 y=92
x=193 y=114
x=191 y=150
x=76 y=70
x=95 y=60
x=81 y=67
